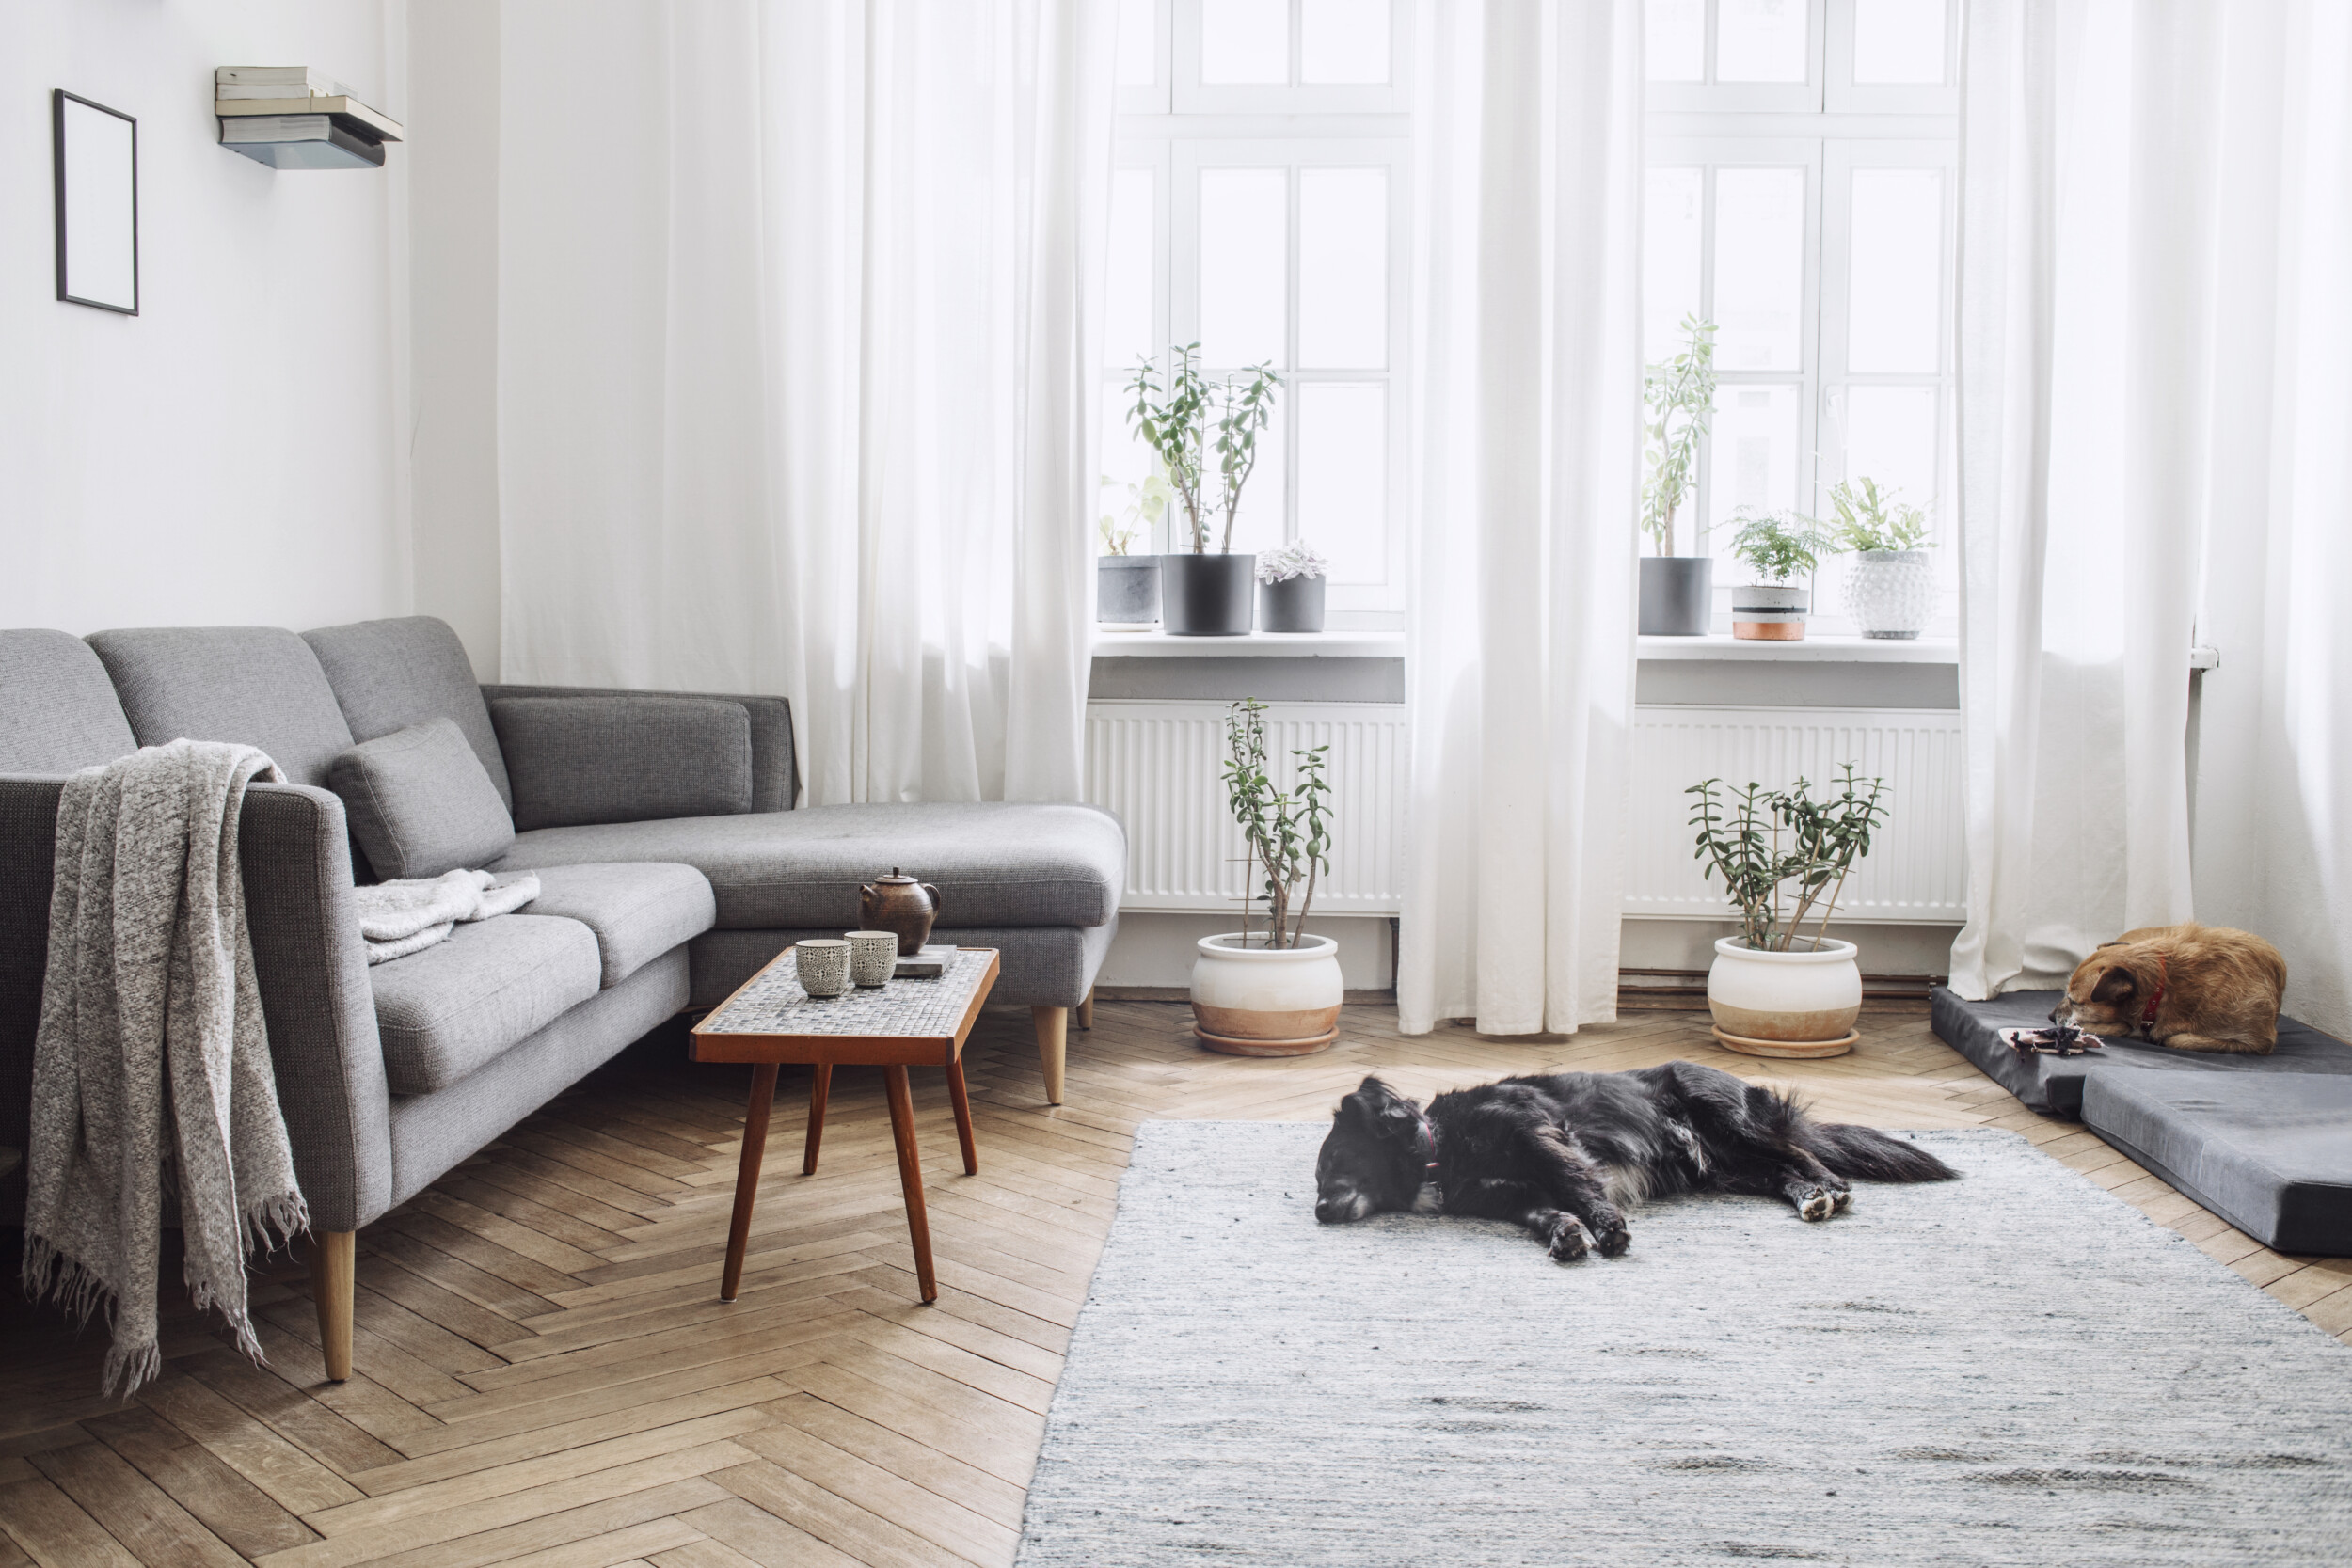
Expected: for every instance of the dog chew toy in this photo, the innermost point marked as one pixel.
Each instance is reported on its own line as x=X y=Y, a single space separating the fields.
x=2059 y=1039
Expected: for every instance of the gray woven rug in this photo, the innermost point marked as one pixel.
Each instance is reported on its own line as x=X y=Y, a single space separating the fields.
x=2014 y=1368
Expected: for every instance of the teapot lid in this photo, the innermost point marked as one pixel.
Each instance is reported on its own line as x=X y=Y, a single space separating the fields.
x=895 y=877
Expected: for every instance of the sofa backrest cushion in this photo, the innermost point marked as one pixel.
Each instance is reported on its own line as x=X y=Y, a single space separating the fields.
x=59 y=712
x=576 y=760
x=420 y=803
x=257 y=686
x=390 y=675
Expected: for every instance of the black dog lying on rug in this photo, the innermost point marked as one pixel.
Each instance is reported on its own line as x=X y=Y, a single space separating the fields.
x=1559 y=1153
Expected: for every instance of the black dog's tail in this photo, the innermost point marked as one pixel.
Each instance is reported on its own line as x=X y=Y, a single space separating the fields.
x=1869 y=1153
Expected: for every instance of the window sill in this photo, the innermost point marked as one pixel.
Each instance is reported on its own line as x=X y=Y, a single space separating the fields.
x=1812 y=650
x=1256 y=644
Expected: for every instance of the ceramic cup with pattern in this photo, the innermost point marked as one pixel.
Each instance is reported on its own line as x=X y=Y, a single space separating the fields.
x=873 y=956
x=823 y=964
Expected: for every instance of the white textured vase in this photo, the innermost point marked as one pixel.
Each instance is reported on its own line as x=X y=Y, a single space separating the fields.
x=1890 y=594
x=1796 y=1004
x=1257 y=1001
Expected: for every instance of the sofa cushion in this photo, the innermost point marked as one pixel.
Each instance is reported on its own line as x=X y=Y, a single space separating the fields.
x=637 y=910
x=446 y=1011
x=2055 y=1082
x=390 y=675
x=2271 y=1153
x=994 y=863
x=420 y=803
x=59 y=712
x=257 y=686
x=591 y=759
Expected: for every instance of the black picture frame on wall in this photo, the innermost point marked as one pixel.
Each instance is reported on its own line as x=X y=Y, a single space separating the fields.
x=97 y=163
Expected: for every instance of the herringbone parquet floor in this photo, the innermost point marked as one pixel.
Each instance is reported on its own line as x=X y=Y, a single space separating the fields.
x=546 y=1379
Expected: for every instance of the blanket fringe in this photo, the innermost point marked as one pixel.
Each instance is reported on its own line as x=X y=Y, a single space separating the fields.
x=72 y=1287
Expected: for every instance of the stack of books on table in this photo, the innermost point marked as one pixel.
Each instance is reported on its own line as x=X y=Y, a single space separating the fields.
x=292 y=117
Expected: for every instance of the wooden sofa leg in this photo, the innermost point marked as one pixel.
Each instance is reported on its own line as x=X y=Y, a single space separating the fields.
x=1086 y=1011
x=331 y=1256
x=1053 y=1039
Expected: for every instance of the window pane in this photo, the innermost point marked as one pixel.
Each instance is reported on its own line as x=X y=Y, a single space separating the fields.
x=1674 y=39
x=1138 y=43
x=1890 y=436
x=1125 y=460
x=1670 y=258
x=1753 y=466
x=1245 y=42
x=1245 y=254
x=1343 y=267
x=1343 y=40
x=1898 y=41
x=1759 y=268
x=1895 y=275
x=1760 y=41
x=1344 y=479
x=1263 y=498
x=1127 y=333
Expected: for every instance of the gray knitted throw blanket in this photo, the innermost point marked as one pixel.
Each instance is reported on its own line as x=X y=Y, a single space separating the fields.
x=152 y=1076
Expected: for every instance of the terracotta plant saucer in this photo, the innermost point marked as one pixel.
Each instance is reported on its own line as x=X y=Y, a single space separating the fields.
x=1747 y=1047
x=1305 y=1046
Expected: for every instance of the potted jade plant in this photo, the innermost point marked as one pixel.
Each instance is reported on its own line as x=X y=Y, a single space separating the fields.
x=1205 y=437
x=1777 y=549
x=1290 y=588
x=1784 y=986
x=1677 y=404
x=1274 y=990
x=1890 y=588
x=1126 y=585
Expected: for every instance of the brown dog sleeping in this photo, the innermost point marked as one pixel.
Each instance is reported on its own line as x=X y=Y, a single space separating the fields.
x=2193 y=987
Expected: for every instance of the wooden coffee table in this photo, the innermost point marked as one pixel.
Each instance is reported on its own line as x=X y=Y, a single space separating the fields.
x=771 y=1021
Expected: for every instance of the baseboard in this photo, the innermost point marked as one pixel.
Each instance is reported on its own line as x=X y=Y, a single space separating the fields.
x=1179 y=993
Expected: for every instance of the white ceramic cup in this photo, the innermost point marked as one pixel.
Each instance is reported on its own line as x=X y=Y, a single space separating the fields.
x=873 y=956
x=823 y=964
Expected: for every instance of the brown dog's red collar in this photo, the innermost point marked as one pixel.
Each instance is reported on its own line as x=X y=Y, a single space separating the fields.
x=2148 y=1014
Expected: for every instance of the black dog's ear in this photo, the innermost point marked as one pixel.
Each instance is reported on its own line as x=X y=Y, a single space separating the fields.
x=2116 y=985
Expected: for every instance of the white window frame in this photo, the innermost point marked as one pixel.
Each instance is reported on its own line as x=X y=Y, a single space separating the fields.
x=1830 y=127
x=1177 y=127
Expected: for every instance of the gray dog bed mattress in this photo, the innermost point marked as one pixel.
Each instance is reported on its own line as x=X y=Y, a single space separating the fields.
x=2270 y=1153
x=2054 y=1083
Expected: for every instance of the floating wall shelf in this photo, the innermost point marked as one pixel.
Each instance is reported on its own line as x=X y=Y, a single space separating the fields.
x=292 y=117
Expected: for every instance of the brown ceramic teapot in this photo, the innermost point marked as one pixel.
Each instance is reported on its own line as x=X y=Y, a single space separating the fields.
x=900 y=904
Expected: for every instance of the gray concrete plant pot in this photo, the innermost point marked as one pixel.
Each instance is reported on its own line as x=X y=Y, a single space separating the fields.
x=1295 y=604
x=1770 y=613
x=1128 y=591
x=1206 y=595
x=1677 y=595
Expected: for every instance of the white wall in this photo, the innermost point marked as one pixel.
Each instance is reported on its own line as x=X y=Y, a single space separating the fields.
x=231 y=454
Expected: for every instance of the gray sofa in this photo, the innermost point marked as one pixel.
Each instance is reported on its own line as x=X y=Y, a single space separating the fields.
x=664 y=829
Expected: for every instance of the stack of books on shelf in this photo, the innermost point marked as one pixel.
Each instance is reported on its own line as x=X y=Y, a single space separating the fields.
x=292 y=117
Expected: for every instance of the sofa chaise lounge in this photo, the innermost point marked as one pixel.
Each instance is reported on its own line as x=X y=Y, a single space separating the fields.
x=662 y=826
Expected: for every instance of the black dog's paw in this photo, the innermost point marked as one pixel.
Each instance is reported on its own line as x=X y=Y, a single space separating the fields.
x=1841 y=1200
x=1570 y=1241
x=1615 y=1239
x=1817 y=1204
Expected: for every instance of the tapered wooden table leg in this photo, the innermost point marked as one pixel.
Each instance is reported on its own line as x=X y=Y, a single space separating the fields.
x=963 y=1117
x=911 y=1177
x=818 y=1091
x=747 y=1174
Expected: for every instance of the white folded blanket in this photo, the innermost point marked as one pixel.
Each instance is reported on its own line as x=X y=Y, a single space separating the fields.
x=408 y=916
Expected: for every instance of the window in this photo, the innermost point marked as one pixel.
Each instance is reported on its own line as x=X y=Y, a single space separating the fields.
x=1800 y=195
x=1260 y=209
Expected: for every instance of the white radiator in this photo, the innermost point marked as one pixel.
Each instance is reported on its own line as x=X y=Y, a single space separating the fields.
x=1159 y=766
x=1917 y=869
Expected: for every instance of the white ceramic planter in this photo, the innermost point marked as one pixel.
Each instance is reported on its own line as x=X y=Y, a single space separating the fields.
x=1890 y=593
x=1797 y=1003
x=1257 y=1001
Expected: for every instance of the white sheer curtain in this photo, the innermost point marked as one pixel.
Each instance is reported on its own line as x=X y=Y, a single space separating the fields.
x=1526 y=264
x=2153 y=360
x=2085 y=331
x=798 y=303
